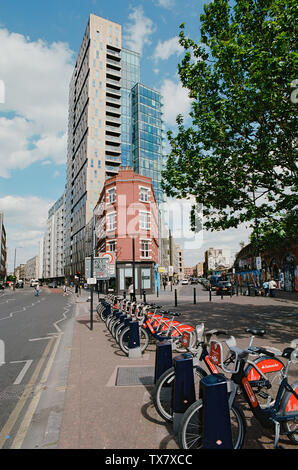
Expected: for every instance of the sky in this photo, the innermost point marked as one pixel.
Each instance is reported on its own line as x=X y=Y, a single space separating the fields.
x=39 y=42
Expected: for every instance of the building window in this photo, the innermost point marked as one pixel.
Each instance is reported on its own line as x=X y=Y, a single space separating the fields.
x=145 y=220
x=144 y=194
x=144 y=249
x=111 y=221
x=112 y=245
x=112 y=195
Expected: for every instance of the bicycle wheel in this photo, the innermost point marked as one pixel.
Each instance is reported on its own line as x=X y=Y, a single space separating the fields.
x=124 y=339
x=271 y=367
x=162 y=394
x=289 y=408
x=114 y=326
x=191 y=432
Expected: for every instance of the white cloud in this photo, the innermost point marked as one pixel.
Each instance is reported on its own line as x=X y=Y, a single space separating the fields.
x=176 y=101
x=138 y=31
x=166 y=49
x=36 y=77
x=24 y=220
x=165 y=3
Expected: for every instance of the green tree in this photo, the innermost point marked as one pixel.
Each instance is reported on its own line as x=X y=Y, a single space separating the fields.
x=239 y=156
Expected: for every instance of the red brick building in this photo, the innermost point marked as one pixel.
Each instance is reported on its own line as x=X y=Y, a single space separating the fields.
x=127 y=210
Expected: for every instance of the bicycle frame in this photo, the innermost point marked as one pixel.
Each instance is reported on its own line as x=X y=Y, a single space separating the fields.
x=268 y=417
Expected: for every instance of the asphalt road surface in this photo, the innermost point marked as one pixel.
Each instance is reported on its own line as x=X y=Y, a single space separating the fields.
x=35 y=340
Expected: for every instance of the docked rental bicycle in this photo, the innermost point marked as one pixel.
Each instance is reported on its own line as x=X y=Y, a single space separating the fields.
x=156 y=326
x=262 y=371
x=281 y=416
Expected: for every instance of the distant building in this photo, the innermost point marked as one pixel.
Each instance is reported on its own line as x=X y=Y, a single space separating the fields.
x=53 y=243
x=217 y=260
x=32 y=268
x=20 y=272
x=127 y=209
x=199 y=269
x=3 y=248
x=180 y=274
x=188 y=271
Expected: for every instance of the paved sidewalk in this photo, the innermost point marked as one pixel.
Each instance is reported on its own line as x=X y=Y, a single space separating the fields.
x=99 y=413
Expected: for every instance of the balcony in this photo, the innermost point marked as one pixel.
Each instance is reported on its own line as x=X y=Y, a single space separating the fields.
x=114 y=129
x=112 y=138
x=114 y=53
x=112 y=81
x=112 y=169
x=113 y=159
x=114 y=63
x=114 y=119
x=111 y=99
x=113 y=110
x=114 y=91
x=113 y=148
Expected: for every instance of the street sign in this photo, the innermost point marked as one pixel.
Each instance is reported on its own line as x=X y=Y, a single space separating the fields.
x=112 y=261
x=100 y=268
x=91 y=280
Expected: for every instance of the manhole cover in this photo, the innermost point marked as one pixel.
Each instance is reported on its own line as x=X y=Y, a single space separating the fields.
x=12 y=392
x=135 y=376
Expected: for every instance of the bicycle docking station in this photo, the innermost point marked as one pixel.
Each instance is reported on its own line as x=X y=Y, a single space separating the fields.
x=184 y=387
x=163 y=358
x=216 y=416
x=134 y=349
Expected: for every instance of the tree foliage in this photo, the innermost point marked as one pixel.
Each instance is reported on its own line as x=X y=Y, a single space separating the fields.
x=239 y=156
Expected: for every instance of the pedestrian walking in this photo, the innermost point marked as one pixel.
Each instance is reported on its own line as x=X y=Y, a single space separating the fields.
x=131 y=292
x=266 y=287
x=65 y=290
x=37 y=290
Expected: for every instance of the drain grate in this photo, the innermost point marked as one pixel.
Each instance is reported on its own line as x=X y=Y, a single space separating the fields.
x=135 y=376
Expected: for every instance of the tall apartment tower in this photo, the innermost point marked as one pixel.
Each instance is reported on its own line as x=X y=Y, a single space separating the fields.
x=53 y=248
x=99 y=129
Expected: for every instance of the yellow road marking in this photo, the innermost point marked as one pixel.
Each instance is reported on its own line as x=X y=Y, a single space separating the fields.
x=22 y=431
x=24 y=397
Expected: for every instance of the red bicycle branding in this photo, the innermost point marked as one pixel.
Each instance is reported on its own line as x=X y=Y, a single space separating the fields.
x=215 y=353
x=266 y=365
x=249 y=392
x=292 y=404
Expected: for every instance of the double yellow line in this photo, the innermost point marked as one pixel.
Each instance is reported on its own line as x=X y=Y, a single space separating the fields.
x=32 y=386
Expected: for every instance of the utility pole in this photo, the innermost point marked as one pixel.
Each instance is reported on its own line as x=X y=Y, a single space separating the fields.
x=133 y=268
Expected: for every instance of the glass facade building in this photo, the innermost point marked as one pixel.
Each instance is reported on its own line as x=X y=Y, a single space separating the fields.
x=147 y=135
x=130 y=75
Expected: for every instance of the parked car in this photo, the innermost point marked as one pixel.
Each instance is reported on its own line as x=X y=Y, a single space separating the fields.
x=194 y=280
x=52 y=285
x=224 y=287
x=184 y=281
x=1 y=287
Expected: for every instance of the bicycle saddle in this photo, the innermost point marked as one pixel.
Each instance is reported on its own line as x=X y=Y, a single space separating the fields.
x=256 y=331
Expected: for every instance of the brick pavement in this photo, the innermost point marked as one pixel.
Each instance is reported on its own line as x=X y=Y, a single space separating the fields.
x=99 y=414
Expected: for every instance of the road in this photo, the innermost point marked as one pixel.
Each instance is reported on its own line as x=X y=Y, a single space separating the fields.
x=35 y=334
